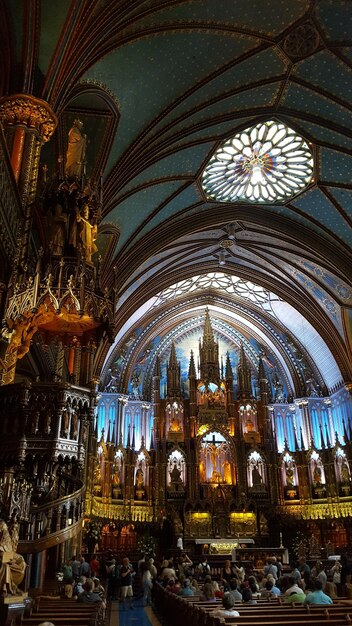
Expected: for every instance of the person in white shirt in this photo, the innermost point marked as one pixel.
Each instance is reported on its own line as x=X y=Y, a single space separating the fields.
x=228 y=609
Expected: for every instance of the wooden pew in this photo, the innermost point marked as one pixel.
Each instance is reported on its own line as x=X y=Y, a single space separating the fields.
x=193 y=612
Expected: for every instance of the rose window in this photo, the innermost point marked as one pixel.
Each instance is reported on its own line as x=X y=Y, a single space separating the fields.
x=267 y=163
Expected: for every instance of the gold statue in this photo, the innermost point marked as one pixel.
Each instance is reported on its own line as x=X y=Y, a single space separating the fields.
x=227 y=473
x=12 y=566
x=76 y=150
x=139 y=479
x=175 y=425
x=202 y=474
x=87 y=234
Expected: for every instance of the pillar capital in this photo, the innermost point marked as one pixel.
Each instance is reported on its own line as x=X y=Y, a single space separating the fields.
x=30 y=112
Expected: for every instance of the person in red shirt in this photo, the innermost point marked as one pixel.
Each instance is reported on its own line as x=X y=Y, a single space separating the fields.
x=94 y=567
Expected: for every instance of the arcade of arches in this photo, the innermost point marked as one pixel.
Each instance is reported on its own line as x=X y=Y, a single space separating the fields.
x=175 y=276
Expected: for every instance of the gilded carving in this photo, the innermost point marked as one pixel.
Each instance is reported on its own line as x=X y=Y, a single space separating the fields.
x=28 y=111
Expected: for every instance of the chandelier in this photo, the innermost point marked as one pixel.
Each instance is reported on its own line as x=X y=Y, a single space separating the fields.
x=265 y=163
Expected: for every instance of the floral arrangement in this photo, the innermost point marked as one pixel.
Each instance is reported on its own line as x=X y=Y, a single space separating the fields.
x=92 y=532
x=300 y=545
x=146 y=545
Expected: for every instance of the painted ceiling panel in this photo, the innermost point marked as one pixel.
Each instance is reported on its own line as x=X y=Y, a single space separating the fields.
x=320 y=295
x=326 y=71
x=335 y=166
x=180 y=163
x=311 y=340
x=344 y=198
x=321 y=133
x=341 y=290
x=316 y=204
x=171 y=65
x=53 y=15
x=16 y=7
x=337 y=29
x=252 y=98
x=214 y=130
x=271 y=16
x=137 y=207
x=303 y=99
x=264 y=63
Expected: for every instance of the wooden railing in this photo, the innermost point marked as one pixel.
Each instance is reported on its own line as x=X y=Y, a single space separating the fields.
x=53 y=522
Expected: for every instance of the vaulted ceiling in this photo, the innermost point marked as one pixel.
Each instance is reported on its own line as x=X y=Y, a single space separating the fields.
x=159 y=86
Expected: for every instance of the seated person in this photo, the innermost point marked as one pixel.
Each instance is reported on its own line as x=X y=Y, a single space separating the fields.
x=98 y=588
x=270 y=590
x=79 y=586
x=173 y=585
x=208 y=594
x=186 y=589
x=247 y=597
x=254 y=587
x=294 y=593
x=88 y=595
x=318 y=596
x=68 y=588
x=227 y=610
x=234 y=592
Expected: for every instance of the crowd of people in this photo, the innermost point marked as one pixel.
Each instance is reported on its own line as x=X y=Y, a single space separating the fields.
x=238 y=585
x=234 y=584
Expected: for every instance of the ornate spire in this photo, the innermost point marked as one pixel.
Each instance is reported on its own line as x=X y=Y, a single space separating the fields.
x=134 y=438
x=262 y=378
x=328 y=443
x=209 y=353
x=157 y=369
x=208 y=335
x=244 y=384
x=228 y=369
x=173 y=375
x=192 y=367
x=152 y=444
x=108 y=439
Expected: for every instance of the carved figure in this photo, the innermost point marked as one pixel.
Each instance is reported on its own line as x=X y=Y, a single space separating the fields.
x=175 y=425
x=135 y=380
x=175 y=475
x=74 y=425
x=65 y=423
x=345 y=474
x=76 y=150
x=87 y=234
x=139 y=479
x=317 y=477
x=202 y=473
x=256 y=477
x=12 y=566
x=290 y=476
x=59 y=228
x=227 y=473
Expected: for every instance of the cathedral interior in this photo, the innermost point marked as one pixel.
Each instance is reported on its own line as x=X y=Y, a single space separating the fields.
x=175 y=274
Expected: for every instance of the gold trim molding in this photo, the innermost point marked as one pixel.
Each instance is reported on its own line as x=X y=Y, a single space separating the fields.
x=28 y=111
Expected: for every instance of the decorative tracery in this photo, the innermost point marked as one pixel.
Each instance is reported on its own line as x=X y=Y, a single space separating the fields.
x=267 y=163
x=217 y=280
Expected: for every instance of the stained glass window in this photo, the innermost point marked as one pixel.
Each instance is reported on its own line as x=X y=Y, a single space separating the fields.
x=265 y=163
